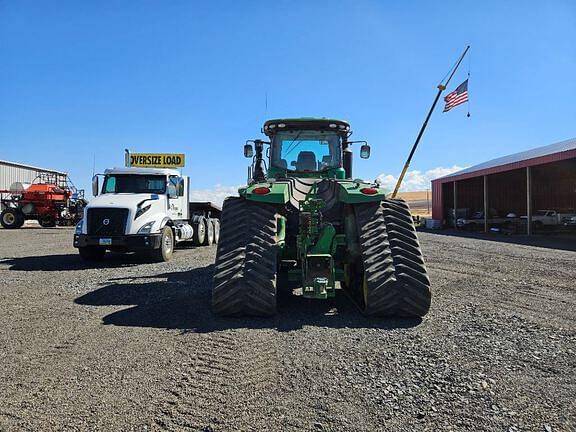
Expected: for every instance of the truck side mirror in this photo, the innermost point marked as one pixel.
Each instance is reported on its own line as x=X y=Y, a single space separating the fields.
x=248 y=151
x=95 y=187
x=365 y=151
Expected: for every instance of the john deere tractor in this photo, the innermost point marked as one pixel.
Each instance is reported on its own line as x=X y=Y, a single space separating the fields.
x=303 y=221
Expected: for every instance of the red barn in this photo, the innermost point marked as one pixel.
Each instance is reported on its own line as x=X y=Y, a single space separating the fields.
x=522 y=183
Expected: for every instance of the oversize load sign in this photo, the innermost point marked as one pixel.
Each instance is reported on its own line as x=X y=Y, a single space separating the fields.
x=156 y=160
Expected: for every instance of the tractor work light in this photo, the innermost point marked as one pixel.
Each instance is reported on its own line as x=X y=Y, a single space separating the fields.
x=369 y=191
x=261 y=190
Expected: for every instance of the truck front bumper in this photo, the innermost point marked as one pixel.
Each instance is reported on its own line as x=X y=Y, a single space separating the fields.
x=140 y=241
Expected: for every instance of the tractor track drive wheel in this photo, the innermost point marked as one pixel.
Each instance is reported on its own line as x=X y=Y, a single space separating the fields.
x=11 y=218
x=245 y=273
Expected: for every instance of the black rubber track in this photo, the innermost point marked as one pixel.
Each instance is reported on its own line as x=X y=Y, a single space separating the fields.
x=396 y=278
x=245 y=271
x=381 y=295
x=412 y=277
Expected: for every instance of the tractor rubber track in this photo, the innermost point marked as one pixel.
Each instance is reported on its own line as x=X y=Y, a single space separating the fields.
x=396 y=279
x=412 y=277
x=245 y=271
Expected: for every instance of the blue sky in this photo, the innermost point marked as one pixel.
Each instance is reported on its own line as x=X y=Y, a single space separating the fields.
x=79 y=79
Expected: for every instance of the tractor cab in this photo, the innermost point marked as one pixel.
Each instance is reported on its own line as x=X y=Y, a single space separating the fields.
x=305 y=147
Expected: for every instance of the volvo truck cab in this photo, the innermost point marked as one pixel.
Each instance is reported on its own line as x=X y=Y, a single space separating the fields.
x=144 y=210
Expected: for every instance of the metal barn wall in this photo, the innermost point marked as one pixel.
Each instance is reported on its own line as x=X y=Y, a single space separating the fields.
x=470 y=194
x=554 y=186
x=507 y=192
x=437 y=201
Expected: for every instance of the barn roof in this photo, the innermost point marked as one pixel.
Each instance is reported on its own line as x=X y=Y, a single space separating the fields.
x=30 y=167
x=540 y=155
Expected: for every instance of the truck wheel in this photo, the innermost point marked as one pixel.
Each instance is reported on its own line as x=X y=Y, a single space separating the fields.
x=199 y=231
x=209 y=238
x=245 y=271
x=92 y=253
x=11 y=218
x=216 y=224
x=47 y=222
x=166 y=249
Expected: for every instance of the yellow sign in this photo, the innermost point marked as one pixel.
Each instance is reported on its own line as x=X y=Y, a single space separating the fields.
x=157 y=160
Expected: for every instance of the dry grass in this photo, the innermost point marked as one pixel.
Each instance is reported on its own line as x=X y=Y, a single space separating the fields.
x=420 y=202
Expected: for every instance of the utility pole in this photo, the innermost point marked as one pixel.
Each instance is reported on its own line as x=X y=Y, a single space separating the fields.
x=441 y=88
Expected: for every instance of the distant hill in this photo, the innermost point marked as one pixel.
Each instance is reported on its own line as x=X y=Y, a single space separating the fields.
x=420 y=202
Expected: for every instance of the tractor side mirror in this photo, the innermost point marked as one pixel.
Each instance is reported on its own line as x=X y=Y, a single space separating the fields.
x=95 y=187
x=365 y=151
x=248 y=151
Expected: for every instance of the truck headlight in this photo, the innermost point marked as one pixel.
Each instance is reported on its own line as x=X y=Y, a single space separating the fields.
x=79 y=226
x=146 y=228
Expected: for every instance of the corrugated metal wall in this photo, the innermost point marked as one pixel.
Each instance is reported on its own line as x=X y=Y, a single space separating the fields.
x=10 y=173
x=437 y=201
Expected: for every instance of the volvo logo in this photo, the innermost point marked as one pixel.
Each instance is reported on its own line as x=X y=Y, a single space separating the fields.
x=106 y=222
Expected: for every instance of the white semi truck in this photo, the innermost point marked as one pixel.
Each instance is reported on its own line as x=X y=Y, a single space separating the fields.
x=144 y=210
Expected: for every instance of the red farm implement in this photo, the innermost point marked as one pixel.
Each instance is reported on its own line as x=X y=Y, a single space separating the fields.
x=50 y=199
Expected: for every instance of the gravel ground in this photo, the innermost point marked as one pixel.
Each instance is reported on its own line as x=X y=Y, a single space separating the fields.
x=131 y=346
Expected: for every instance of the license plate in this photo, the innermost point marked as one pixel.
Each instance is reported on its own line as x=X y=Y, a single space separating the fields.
x=105 y=242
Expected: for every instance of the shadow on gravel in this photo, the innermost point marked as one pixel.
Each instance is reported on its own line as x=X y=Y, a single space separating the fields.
x=69 y=262
x=182 y=301
x=560 y=241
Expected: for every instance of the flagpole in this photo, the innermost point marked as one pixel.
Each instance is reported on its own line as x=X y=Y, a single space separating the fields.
x=441 y=88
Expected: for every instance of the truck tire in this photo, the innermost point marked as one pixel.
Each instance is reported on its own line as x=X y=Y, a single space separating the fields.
x=47 y=222
x=209 y=238
x=11 y=218
x=199 y=235
x=92 y=253
x=394 y=281
x=216 y=224
x=245 y=270
x=166 y=249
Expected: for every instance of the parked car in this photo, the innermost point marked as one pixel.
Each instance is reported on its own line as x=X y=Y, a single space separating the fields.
x=543 y=218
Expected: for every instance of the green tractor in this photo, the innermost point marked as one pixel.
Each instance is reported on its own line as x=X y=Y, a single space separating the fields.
x=305 y=222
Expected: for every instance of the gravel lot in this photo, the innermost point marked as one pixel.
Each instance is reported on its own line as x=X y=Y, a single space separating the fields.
x=132 y=346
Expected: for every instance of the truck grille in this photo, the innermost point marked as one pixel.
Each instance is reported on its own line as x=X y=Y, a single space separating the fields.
x=107 y=221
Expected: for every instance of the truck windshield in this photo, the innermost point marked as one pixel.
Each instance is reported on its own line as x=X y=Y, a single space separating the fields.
x=306 y=150
x=130 y=183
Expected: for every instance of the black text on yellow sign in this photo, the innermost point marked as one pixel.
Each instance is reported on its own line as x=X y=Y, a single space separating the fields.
x=157 y=160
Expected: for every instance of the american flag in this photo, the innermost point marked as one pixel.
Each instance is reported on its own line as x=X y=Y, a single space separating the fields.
x=457 y=97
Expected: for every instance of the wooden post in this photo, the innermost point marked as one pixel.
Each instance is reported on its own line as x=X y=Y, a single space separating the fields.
x=455 y=204
x=528 y=201
x=485 y=203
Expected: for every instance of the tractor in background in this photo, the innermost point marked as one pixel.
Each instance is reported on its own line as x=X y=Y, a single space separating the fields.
x=51 y=199
x=303 y=222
